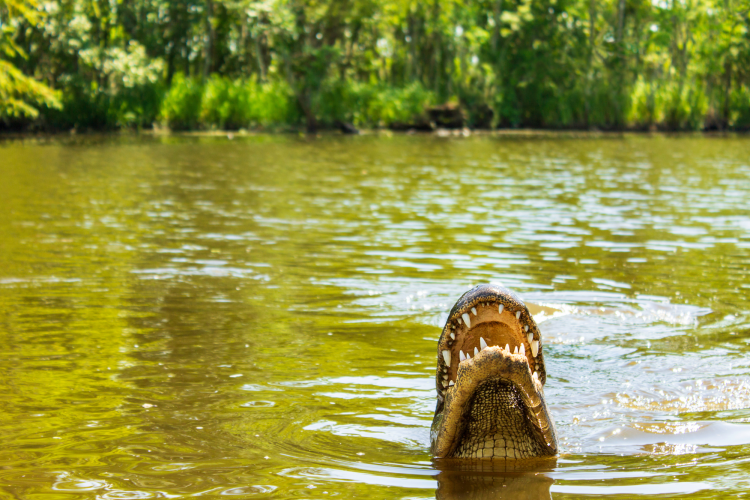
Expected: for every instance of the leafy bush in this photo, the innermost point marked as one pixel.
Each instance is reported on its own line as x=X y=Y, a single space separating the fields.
x=740 y=104
x=685 y=106
x=181 y=107
x=233 y=104
x=371 y=105
x=646 y=106
x=227 y=104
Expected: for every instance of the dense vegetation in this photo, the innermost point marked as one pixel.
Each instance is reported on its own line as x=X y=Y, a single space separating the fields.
x=188 y=64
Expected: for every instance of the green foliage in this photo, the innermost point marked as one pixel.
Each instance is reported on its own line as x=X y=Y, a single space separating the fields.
x=86 y=106
x=740 y=106
x=234 y=104
x=610 y=64
x=181 y=109
x=273 y=105
x=227 y=104
x=668 y=106
x=20 y=95
x=371 y=104
x=685 y=107
x=222 y=103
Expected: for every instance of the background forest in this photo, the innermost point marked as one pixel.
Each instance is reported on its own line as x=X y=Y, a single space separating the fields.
x=278 y=64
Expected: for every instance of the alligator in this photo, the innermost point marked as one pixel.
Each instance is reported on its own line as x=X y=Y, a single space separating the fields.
x=490 y=381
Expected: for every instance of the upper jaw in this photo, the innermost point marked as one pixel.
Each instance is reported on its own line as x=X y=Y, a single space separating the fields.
x=489 y=314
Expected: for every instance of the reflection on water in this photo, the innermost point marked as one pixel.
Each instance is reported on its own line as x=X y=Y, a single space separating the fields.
x=491 y=480
x=257 y=317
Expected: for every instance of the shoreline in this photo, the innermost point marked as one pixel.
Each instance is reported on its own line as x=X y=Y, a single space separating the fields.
x=520 y=133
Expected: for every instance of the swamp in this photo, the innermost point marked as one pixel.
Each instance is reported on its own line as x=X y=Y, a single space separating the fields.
x=256 y=316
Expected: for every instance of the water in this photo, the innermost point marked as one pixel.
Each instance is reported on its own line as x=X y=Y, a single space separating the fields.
x=258 y=317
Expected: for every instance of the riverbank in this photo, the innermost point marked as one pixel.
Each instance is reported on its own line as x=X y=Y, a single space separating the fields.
x=222 y=103
x=232 y=135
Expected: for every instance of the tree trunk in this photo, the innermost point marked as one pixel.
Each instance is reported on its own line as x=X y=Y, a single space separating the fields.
x=497 y=11
x=304 y=102
x=259 y=55
x=170 y=62
x=727 y=94
x=589 y=65
x=210 y=34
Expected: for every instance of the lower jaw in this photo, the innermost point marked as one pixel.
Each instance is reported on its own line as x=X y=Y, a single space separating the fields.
x=497 y=425
x=531 y=435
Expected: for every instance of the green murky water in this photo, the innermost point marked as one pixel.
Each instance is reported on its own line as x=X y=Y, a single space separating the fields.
x=257 y=317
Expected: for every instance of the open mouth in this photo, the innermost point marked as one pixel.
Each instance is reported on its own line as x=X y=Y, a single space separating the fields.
x=490 y=381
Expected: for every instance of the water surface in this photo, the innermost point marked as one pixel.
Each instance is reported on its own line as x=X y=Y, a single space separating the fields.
x=258 y=316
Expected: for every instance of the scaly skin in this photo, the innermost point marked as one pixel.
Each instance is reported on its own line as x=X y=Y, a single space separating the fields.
x=491 y=405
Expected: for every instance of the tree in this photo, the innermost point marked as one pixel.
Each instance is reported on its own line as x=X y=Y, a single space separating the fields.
x=20 y=95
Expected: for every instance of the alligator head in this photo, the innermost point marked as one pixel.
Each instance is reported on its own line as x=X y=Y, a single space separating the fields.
x=490 y=381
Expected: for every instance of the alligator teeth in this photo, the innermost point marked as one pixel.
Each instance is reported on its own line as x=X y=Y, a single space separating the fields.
x=461 y=356
x=515 y=351
x=534 y=347
x=507 y=347
x=447 y=357
x=500 y=309
x=445 y=384
x=474 y=311
x=518 y=314
x=530 y=337
x=476 y=351
x=445 y=377
x=453 y=336
x=535 y=376
x=523 y=350
x=466 y=320
x=482 y=343
x=526 y=328
x=450 y=383
x=459 y=321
